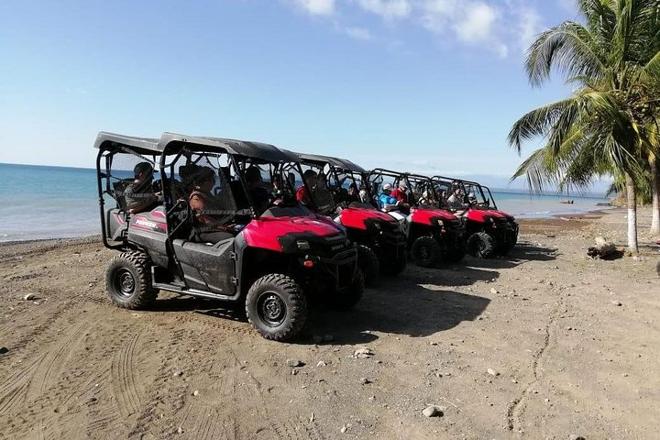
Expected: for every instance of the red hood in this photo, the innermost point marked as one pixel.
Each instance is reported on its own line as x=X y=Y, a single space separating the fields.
x=480 y=215
x=356 y=217
x=426 y=215
x=265 y=232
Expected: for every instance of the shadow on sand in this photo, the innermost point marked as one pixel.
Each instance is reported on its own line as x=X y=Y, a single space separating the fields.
x=523 y=252
x=413 y=304
x=417 y=303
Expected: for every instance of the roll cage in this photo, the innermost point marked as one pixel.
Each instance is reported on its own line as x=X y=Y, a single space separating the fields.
x=340 y=175
x=166 y=152
x=482 y=191
x=416 y=183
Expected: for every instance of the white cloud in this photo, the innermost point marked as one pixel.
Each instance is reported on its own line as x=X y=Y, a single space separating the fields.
x=317 y=7
x=529 y=27
x=388 y=9
x=494 y=25
x=476 y=22
x=473 y=22
x=358 y=33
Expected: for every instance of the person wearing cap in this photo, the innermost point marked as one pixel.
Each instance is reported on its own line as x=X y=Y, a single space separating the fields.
x=139 y=195
x=386 y=201
x=401 y=193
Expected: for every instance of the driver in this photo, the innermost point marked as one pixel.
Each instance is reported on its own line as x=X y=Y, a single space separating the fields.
x=259 y=195
x=207 y=209
x=401 y=193
x=139 y=195
x=310 y=180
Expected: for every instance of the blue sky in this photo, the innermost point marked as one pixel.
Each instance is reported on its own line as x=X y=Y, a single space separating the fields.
x=425 y=85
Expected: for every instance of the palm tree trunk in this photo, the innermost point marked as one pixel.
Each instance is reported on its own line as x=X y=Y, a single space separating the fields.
x=655 y=189
x=631 y=199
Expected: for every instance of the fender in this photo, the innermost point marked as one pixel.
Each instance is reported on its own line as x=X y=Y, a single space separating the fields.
x=265 y=233
x=482 y=215
x=426 y=216
x=355 y=218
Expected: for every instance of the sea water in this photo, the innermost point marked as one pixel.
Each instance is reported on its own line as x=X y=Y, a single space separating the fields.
x=38 y=202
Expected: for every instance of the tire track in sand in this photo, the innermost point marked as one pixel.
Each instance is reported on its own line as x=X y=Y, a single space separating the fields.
x=517 y=406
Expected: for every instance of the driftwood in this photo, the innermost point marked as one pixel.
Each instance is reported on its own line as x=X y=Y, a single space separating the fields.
x=604 y=249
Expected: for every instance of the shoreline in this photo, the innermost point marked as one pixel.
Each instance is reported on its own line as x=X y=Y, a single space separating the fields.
x=523 y=222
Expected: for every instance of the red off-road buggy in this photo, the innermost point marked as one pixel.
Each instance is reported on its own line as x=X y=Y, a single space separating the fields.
x=269 y=252
x=434 y=235
x=490 y=231
x=341 y=194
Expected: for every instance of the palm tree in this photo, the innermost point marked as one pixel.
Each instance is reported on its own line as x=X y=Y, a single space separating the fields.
x=605 y=126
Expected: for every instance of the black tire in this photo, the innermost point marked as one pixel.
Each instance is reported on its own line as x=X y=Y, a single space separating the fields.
x=347 y=298
x=481 y=245
x=276 y=307
x=368 y=264
x=456 y=253
x=395 y=266
x=511 y=241
x=128 y=281
x=426 y=252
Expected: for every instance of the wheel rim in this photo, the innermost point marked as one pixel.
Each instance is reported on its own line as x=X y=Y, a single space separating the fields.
x=125 y=282
x=271 y=309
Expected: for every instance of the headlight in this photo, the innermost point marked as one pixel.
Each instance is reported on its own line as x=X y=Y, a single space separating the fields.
x=303 y=245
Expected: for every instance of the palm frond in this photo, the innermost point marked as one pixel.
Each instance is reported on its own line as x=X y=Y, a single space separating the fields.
x=570 y=48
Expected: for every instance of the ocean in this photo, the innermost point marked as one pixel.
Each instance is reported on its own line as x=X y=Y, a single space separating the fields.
x=38 y=202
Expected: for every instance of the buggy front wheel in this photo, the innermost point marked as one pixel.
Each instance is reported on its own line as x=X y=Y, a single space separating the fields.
x=276 y=307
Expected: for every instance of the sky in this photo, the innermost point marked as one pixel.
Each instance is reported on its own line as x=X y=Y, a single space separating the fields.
x=429 y=86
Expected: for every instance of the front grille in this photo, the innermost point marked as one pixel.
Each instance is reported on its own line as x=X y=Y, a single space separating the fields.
x=340 y=267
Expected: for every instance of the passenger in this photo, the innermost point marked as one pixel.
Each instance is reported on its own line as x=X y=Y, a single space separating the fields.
x=353 y=193
x=426 y=199
x=259 y=195
x=455 y=200
x=385 y=200
x=401 y=193
x=310 y=180
x=364 y=196
x=139 y=195
x=210 y=219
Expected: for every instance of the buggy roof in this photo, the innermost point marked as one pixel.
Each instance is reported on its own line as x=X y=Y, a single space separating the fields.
x=170 y=143
x=343 y=164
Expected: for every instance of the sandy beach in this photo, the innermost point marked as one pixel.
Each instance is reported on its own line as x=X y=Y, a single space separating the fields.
x=544 y=344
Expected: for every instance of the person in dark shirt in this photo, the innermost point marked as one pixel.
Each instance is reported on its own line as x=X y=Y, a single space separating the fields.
x=139 y=195
x=259 y=195
x=302 y=194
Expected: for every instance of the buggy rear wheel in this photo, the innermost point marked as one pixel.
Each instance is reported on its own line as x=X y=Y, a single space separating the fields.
x=276 y=307
x=369 y=264
x=128 y=281
x=426 y=251
x=481 y=245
